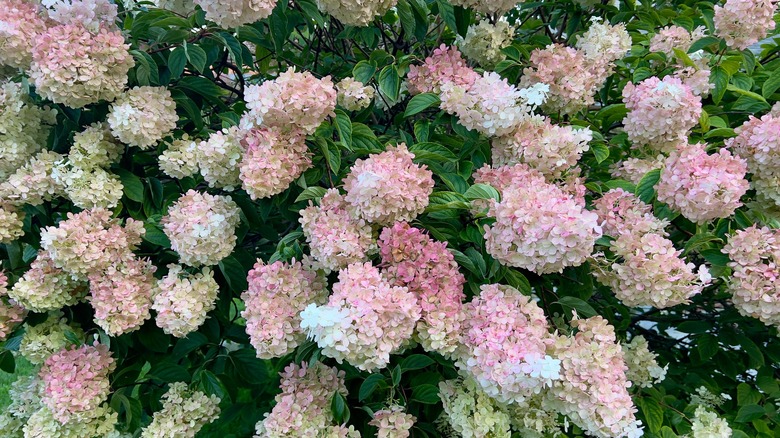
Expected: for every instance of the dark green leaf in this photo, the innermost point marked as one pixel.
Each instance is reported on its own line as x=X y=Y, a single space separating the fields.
x=420 y=103
x=416 y=362
x=370 y=385
x=425 y=394
x=645 y=190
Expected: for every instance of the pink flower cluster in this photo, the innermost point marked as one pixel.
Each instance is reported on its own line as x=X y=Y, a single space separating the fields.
x=272 y=161
x=76 y=381
x=303 y=407
x=743 y=22
x=337 y=236
x=277 y=294
x=182 y=300
x=75 y=67
x=754 y=254
x=45 y=287
x=661 y=112
x=122 y=295
x=551 y=149
x=504 y=343
x=758 y=142
x=393 y=422
x=593 y=391
x=202 y=227
x=91 y=241
x=634 y=169
x=388 y=187
x=20 y=26
x=445 y=65
x=33 y=183
x=412 y=259
x=572 y=77
x=702 y=186
x=648 y=270
x=365 y=320
x=539 y=226
x=489 y=105
x=675 y=37
x=291 y=100
x=11 y=313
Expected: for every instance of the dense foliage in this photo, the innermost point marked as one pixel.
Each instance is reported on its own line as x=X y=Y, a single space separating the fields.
x=390 y=218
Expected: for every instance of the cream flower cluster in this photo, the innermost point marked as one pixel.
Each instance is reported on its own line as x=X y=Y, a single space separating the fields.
x=11 y=223
x=471 y=412
x=11 y=313
x=702 y=186
x=414 y=260
x=88 y=188
x=604 y=42
x=184 y=412
x=643 y=369
x=633 y=169
x=33 y=183
x=293 y=99
x=76 y=381
x=182 y=300
x=353 y=95
x=142 y=116
x=91 y=13
x=43 y=340
x=743 y=22
x=388 y=187
x=45 y=287
x=181 y=159
x=277 y=293
x=336 y=235
x=101 y=422
x=488 y=7
x=365 y=320
x=76 y=81
x=25 y=127
x=272 y=160
x=539 y=226
x=707 y=424
x=234 y=13
x=660 y=112
x=551 y=149
x=303 y=407
x=94 y=147
x=202 y=227
x=355 y=12
x=91 y=241
x=754 y=255
x=504 y=344
x=25 y=395
x=218 y=158
x=393 y=422
x=484 y=41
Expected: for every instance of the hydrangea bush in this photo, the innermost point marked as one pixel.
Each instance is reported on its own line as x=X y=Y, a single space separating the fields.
x=390 y=218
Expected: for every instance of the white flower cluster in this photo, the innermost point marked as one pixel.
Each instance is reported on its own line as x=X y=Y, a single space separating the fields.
x=355 y=12
x=42 y=340
x=643 y=369
x=603 y=41
x=707 y=424
x=471 y=412
x=11 y=223
x=142 y=116
x=484 y=41
x=234 y=13
x=180 y=160
x=33 y=183
x=353 y=95
x=183 y=300
x=89 y=188
x=45 y=287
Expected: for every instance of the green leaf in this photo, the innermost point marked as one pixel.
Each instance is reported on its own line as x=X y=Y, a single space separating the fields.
x=370 y=385
x=771 y=84
x=234 y=273
x=416 y=362
x=395 y=375
x=482 y=191
x=196 y=56
x=169 y=372
x=420 y=103
x=707 y=346
x=310 y=9
x=600 y=151
x=583 y=309
x=406 y=16
x=344 y=128
x=177 y=60
x=517 y=280
x=390 y=83
x=432 y=151
x=7 y=362
x=426 y=394
x=209 y=383
x=749 y=413
x=364 y=71
x=754 y=353
x=653 y=413
x=720 y=78
x=645 y=190
x=338 y=406
x=746 y=395
x=133 y=187
x=746 y=93
x=154 y=235
x=682 y=56
x=278 y=24
x=311 y=193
